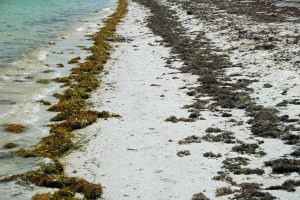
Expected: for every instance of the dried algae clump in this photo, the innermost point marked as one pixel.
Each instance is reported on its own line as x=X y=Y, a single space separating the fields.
x=190 y=139
x=284 y=166
x=199 y=196
x=14 y=128
x=288 y=185
x=72 y=111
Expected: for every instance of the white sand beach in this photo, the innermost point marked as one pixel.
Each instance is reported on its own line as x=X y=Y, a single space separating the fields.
x=135 y=157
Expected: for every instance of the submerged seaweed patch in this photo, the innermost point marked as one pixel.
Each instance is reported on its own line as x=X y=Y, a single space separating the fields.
x=72 y=111
x=74 y=60
x=44 y=102
x=9 y=145
x=14 y=128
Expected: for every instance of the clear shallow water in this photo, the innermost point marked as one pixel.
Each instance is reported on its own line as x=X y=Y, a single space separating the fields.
x=30 y=24
x=27 y=27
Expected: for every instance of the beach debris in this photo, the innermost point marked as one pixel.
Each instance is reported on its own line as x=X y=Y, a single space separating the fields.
x=213 y=130
x=212 y=155
x=199 y=196
x=154 y=85
x=267 y=85
x=190 y=139
x=250 y=148
x=183 y=153
x=175 y=119
x=224 y=191
x=225 y=114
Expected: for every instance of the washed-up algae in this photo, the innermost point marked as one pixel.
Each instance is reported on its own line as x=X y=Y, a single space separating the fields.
x=201 y=57
x=73 y=114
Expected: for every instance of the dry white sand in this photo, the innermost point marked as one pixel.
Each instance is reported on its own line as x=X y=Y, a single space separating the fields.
x=135 y=157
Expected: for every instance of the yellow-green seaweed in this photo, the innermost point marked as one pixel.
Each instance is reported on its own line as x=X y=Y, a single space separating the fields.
x=9 y=145
x=14 y=128
x=72 y=111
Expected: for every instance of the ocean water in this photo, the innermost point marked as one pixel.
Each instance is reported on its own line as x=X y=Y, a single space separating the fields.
x=29 y=24
x=35 y=36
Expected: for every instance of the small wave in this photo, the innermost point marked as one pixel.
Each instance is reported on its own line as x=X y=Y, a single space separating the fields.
x=42 y=55
x=80 y=29
x=106 y=9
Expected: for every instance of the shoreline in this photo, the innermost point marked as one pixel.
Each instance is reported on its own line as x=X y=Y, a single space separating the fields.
x=51 y=173
x=195 y=102
x=180 y=139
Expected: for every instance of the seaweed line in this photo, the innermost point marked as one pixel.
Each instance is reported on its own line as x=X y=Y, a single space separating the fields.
x=73 y=114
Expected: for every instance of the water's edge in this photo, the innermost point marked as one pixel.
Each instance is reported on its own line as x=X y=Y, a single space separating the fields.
x=32 y=114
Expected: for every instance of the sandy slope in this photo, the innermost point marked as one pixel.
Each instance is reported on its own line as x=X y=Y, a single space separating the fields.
x=135 y=157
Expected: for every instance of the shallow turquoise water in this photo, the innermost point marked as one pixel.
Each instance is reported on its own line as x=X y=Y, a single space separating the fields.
x=30 y=24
